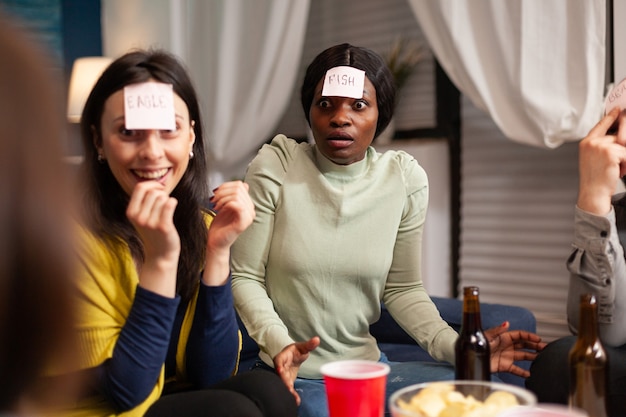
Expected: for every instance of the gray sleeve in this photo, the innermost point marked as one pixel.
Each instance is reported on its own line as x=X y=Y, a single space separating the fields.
x=597 y=266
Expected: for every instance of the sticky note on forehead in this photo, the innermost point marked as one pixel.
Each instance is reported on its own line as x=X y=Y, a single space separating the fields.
x=616 y=98
x=344 y=82
x=149 y=106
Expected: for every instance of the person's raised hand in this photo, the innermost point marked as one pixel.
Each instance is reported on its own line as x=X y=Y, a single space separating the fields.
x=509 y=346
x=287 y=362
x=601 y=163
x=151 y=212
x=234 y=213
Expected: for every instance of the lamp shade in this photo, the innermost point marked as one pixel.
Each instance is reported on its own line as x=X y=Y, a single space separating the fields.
x=85 y=73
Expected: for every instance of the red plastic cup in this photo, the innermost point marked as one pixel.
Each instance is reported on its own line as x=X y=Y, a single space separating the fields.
x=355 y=388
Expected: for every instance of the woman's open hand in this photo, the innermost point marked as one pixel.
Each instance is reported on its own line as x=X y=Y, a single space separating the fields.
x=510 y=346
x=235 y=212
x=287 y=362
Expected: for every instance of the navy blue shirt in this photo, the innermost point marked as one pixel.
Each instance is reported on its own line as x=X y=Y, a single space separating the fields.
x=150 y=338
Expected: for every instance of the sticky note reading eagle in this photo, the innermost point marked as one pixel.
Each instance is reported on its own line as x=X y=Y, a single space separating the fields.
x=149 y=106
x=344 y=82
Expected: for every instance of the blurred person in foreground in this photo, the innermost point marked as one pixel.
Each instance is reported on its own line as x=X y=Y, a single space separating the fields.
x=596 y=265
x=36 y=240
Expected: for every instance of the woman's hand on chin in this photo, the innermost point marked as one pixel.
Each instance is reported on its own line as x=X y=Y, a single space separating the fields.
x=151 y=211
x=235 y=212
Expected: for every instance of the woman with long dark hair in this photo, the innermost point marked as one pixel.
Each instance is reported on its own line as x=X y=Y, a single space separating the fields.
x=156 y=324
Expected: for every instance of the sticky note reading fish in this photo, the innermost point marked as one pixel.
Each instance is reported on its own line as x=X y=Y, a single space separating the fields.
x=149 y=106
x=616 y=98
x=344 y=82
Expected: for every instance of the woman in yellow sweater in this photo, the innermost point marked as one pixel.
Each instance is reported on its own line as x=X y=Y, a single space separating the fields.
x=157 y=326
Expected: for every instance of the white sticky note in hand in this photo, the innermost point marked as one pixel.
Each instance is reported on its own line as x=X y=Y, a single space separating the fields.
x=344 y=82
x=149 y=106
x=616 y=98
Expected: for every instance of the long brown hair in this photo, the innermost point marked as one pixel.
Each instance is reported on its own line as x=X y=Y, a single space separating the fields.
x=106 y=201
x=36 y=246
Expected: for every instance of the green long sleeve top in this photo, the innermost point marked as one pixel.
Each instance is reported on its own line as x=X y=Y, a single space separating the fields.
x=328 y=244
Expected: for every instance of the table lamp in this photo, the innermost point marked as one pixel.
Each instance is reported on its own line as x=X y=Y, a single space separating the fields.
x=85 y=73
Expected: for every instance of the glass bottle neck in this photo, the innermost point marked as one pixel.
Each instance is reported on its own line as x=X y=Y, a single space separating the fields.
x=588 y=326
x=471 y=308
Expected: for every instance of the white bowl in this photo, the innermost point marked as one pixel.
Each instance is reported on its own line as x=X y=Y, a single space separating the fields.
x=545 y=410
x=480 y=390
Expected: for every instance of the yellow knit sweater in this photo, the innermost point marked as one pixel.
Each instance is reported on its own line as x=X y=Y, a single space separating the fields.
x=106 y=290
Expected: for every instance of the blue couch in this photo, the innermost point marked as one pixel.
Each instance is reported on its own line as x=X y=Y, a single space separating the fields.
x=400 y=347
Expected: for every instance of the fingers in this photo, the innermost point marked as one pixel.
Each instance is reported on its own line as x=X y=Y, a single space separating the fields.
x=528 y=345
x=494 y=332
x=229 y=192
x=151 y=212
x=524 y=336
x=516 y=370
x=620 y=138
x=150 y=206
x=524 y=355
x=287 y=363
x=310 y=345
x=288 y=381
x=233 y=205
x=603 y=126
x=234 y=214
x=302 y=350
x=525 y=342
x=511 y=346
x=295 y=395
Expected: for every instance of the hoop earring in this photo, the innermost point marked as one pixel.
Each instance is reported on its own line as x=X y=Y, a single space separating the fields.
x=191 y=155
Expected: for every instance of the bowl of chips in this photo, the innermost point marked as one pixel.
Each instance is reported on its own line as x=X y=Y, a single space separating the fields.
x=458 y=399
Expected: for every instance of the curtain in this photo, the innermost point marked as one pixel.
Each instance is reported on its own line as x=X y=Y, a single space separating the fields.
x=536 y=67
x=242 y=55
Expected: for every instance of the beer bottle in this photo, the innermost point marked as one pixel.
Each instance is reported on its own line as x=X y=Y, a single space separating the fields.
x=472 y=348
x=588 y=362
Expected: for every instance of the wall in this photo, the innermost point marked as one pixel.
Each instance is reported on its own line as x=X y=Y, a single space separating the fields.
x=69 y=29
x=517 y=219
x=432 y=155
